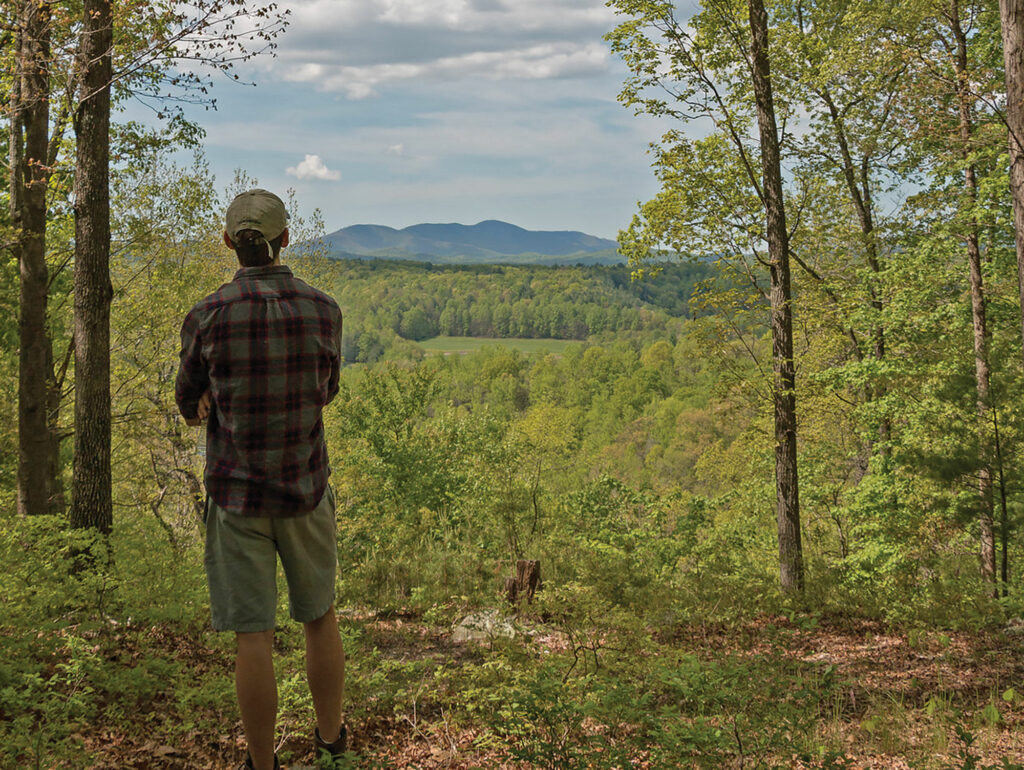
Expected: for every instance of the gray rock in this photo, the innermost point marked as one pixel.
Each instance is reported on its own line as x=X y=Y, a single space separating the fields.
x=485 y=626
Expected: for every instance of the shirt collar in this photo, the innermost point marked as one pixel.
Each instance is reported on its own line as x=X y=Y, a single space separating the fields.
x=262 y=271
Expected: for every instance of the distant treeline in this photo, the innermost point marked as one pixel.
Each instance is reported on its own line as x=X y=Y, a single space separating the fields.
x=386 y=301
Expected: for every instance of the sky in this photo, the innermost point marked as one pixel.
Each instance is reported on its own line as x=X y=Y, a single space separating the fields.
x=396 y=112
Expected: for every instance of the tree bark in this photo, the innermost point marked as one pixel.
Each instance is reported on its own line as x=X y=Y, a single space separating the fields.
x=787 y=499
x=1011 y=17
x=39 y=488
x=978 y=309
x=91 y=487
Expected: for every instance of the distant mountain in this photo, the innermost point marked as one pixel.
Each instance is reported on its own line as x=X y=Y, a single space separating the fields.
x=488 y=241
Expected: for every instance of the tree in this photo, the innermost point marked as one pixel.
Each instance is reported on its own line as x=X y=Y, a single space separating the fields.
x=415 y=325
x=39 y=487
x=709 y=67
x=1011 y=15
x=167 y=253
x=965 y=124
x=959 y=81
x=851 y=93
x=91 y=503
x=784 y=391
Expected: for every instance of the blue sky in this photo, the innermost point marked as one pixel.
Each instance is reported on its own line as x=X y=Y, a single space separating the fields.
x=396 y=112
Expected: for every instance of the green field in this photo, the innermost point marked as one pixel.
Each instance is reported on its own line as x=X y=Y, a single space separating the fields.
x=470 y=344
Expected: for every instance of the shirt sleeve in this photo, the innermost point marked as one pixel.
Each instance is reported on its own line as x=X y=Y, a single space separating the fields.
x=332 y=383
x=193 y=378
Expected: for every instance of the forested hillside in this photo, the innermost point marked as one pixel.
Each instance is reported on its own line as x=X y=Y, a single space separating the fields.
x=391 y=301
x=773 y=492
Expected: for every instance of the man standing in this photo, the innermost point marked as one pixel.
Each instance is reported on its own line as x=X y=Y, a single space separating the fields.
x=260 y=358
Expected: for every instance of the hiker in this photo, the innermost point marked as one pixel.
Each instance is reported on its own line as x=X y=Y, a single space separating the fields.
x=260 y=358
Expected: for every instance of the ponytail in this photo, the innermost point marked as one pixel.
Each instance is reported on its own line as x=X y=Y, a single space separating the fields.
x=254 y=250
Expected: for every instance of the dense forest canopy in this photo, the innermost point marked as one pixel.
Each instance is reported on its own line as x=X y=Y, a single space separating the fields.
x=414 y=301
x=645 y=465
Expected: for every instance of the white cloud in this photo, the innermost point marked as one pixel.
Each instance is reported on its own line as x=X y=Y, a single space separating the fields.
x=539 y=62
x=313 y=168
x=352 y=18
x=417 y=12
x=351 y=47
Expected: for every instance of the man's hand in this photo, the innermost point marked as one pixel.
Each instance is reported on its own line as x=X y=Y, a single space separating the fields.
x=205 y=402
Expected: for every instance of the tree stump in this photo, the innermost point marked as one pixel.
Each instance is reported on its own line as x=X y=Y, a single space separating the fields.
x=526 y=581
x=511 y=590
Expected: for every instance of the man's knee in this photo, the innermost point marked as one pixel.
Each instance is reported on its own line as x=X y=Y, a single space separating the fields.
x=325 y=619
x=254 y=640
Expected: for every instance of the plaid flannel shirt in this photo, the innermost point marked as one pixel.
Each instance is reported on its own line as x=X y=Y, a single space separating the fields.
x=268 y=347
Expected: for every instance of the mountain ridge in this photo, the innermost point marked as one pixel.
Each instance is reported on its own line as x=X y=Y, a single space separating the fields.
x=490 y=240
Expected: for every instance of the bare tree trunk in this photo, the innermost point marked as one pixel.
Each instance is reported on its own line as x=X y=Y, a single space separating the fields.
x=791 y=571
x=1011 y=17
x=91 y=487
x=39 y=489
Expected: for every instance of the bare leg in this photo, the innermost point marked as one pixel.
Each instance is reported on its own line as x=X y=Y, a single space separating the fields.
x=257 y=695
x=325 y=670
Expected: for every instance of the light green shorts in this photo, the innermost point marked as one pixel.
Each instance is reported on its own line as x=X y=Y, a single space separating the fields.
x=241 y=565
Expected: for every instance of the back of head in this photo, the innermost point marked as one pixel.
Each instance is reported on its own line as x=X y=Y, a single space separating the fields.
x=253 y=250
x=255 y=224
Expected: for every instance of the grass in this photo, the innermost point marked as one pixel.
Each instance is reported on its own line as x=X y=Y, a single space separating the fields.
x=124 y=672
x=765 y=693
x=448 y=345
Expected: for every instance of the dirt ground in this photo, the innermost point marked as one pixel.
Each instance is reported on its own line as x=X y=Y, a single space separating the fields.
x=906 y=693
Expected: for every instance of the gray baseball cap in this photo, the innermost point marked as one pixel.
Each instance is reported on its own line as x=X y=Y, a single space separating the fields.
x=258 y=210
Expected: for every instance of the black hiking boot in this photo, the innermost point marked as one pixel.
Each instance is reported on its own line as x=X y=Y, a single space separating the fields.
x=247 y=765
x=334 y=750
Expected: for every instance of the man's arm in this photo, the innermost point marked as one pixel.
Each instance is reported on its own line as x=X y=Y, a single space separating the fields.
x=332 y=382
x=193 y=382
